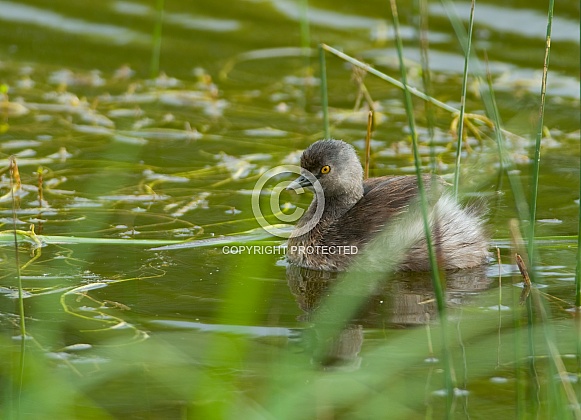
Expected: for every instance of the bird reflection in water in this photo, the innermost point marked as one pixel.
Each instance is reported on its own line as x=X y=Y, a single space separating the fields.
x=401 y=300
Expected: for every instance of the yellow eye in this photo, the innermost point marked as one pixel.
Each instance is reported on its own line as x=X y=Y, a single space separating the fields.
x=325 y=169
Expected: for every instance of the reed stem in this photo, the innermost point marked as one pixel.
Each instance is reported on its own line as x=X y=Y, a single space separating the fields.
x=368 y=144
x=426 y=78
x=389 y=79
x=304 y=28
x=578 y=268
x=324 y=93
x=14 y=185
x=156 y=41
x=537 y=158
x=305 y=50
x=463 y=101
x=449 y=382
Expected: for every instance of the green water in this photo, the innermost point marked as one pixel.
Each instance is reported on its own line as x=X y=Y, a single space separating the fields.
x=193 y=332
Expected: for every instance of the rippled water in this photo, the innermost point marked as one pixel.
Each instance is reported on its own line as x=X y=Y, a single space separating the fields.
x=124 y=156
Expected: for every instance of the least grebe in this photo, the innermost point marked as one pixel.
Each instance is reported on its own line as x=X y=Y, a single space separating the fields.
x=357 y=211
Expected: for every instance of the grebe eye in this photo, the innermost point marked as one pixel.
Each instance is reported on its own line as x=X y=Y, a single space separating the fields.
x=325 y=169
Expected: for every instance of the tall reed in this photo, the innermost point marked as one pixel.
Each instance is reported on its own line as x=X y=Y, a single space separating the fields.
x=426 y=77
x=305 y=35
x=537 y=157
x=156 y=40
x=578 y=268
x=466 y=43
x=449 y=382
x=15 y=184
x=324 y=92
